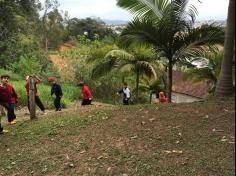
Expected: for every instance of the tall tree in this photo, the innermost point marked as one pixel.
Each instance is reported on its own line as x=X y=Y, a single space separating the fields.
x=89 y=26
x=17 y=29
x=169 y=27
x=225 y=84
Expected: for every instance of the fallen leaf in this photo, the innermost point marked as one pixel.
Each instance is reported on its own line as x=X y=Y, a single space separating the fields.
x=134 y=137
x=151 y=120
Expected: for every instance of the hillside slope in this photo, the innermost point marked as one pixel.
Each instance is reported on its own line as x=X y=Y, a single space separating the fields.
x=194 y=139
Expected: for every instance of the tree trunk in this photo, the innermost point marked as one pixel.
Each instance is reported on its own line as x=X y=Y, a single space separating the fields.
x=150 y=97
x=32 y=99
x=137 y=86
x=225 y=84
x=46 y=45
x=170 y=75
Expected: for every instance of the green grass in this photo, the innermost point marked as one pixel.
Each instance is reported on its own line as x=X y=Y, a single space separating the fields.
x=70 y=94
x=118 y=140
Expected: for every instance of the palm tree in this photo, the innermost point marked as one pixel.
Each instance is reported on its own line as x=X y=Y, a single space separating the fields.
x=225 y=85
x=208 y=73
x=169 y=27
x=138 y=59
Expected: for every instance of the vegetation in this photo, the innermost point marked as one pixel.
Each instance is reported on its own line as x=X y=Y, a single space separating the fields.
x=162 y=139
x=168 y=26
x=208 y=73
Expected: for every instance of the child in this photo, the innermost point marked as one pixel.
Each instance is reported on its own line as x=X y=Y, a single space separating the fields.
x=57 y=91
x=86 y=93
x=8 y=98
x=162 y=97
x=37 y=99
x=126 y=94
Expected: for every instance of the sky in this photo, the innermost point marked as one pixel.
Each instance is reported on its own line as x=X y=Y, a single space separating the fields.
x=107 y=9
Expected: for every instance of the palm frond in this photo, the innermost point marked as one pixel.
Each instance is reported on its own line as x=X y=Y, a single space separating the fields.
x=144 y=8
x=141 y=31
x=119 y=54
x=103 y=67
x=197 y=41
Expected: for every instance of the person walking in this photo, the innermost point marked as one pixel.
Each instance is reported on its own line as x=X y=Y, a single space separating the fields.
x=86 y=93
x=37 y=99
x=56 y=91
x=126 y=94
x=8 y=98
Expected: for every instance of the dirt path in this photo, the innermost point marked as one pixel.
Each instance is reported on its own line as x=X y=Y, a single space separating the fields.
x=23 y=114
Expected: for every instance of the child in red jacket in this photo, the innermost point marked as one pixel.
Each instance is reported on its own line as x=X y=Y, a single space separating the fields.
x=162 y=97
x=86 y=93
x=8 y=98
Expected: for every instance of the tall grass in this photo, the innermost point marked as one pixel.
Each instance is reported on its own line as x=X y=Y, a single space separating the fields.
x=70 y=94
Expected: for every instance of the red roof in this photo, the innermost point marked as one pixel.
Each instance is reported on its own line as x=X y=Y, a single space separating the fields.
x=199 y=90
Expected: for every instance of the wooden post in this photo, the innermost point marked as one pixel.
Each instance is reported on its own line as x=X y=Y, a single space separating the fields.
x=32 y=98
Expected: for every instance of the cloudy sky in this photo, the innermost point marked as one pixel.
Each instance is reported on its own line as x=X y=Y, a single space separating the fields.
x=107 y=9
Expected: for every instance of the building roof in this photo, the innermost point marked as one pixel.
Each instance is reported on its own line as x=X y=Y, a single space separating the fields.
x=199 y=90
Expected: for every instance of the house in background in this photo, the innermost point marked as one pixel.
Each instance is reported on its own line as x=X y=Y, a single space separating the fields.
x=185 y=91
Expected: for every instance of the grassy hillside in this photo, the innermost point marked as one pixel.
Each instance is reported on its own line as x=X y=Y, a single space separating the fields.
x=71 y=94
x=194 y=139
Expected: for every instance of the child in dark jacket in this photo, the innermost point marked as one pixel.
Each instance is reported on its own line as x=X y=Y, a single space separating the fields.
x=56 y=91
x=8 y=98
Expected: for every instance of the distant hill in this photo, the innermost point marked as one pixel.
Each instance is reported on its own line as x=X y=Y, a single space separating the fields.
x=114 y=22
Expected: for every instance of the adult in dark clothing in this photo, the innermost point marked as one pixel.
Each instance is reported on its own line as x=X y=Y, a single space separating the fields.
x=8 y=98
x=37 y=99
x=56 y=91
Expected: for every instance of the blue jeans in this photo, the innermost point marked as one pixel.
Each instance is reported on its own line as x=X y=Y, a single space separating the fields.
x=10 y=111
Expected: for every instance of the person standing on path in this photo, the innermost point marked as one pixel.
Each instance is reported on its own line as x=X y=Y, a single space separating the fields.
x=8 y=98
x=37 y=99
x=56 y=91
x=86 y=93
x=126 y=94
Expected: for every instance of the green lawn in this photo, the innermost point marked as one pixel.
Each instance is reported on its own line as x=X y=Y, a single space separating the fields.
x=194 y=139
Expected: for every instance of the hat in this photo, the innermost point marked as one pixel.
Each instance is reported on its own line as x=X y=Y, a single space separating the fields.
x=51 y=79
x=5 y=76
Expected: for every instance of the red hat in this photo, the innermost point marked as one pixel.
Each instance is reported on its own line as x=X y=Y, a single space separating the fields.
x=51 y=79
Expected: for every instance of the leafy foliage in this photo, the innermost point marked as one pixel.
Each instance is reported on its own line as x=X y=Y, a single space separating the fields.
x=168 y=26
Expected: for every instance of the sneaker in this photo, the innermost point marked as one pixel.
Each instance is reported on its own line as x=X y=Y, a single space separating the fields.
x=12 y=122
x=4 y=131
x=45 y=113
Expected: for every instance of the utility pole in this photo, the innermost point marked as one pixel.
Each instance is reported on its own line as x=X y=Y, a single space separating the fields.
x=32 y=98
